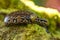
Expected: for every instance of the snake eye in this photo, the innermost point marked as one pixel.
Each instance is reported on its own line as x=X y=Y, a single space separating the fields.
x=43 y=20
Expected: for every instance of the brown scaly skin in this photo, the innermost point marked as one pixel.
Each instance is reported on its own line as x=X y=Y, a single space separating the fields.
x=24 y=17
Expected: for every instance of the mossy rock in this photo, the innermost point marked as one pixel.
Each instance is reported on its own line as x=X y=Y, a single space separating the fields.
x=23 y=32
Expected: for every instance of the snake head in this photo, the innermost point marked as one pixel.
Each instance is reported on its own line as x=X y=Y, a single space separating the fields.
x=42 y=22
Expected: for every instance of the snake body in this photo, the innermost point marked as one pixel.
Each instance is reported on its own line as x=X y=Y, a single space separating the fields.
x=24 y=17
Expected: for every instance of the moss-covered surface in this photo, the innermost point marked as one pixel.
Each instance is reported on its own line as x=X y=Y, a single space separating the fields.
x=26 y=32
x=29 y=31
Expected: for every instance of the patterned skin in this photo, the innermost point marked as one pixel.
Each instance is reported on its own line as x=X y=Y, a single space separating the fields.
x=24 y=17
